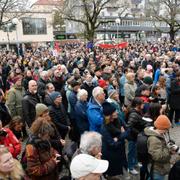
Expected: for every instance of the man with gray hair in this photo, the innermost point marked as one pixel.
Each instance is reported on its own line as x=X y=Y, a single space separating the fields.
x=95 y=110
x=44 y=79
x=90 y=143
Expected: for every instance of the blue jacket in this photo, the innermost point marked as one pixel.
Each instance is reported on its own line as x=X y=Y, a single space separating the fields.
x=95 y=115
x=72 y=99
x=122 y=81
x=156 y=76
x=81 y=116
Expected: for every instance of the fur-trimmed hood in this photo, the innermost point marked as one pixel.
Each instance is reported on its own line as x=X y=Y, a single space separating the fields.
x=16 y=174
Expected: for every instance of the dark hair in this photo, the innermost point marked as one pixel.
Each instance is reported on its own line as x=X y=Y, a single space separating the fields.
x=154 y=110
x=136 y=102
x=15 y=120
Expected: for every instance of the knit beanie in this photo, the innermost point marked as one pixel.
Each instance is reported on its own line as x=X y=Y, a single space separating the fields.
x=102 y=83
x=40 y=109
x=162 y=122
x=54 y=95
x=148 y=80
x=108 y=108
x=111 y=92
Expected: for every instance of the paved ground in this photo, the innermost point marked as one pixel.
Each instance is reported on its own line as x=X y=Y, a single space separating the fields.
x=175 y=134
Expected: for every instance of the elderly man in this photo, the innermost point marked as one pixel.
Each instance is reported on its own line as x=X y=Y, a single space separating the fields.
x=29 y=102
x=86 y=167
x=90 y=148
x=95 y=110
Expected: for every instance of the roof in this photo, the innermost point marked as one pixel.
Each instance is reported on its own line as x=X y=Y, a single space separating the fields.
x=48 y=2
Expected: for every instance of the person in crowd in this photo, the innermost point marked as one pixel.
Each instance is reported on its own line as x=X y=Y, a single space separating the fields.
x=149 y=71
x=162 y=89
x=16 y=126
x=157 y=73
x=26 y=79
x=88 y=85
x=90 y=143
x=9 y=140
x=49 y=89
x=29 y=102
x=97 y=76
x=80 y=111
x=175 y=99
x=42 y=82
x=114 y=100
x=42 y=159
x=135 y=124
x=5 y=116
x=159 y=148
x=113 y=136
x=58 y=114
x=10 y=168
x=95 y=110
x=129 y=89
x=15 y=96
x=86 y=167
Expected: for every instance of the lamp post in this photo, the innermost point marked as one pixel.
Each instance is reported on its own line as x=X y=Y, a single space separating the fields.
x=15 y=21
x=117 y=23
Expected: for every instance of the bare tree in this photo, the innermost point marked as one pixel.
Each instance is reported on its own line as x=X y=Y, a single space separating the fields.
x=10 y=9
x=86 y=13
x=167 y=11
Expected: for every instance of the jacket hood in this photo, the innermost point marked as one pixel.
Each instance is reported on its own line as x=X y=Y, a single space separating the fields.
x=92 y=104
x=150 y=131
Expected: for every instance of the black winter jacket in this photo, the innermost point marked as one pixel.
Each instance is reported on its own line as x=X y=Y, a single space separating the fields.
x=29 y=102
x=135 y=124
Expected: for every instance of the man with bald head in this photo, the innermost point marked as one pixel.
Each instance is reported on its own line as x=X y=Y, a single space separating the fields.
x=29 y=103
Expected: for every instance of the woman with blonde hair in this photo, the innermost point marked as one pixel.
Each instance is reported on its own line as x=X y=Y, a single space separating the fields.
x=10 y=168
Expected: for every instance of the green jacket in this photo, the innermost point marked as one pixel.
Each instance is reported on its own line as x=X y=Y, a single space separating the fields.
x=159 y=151
x=14 y=100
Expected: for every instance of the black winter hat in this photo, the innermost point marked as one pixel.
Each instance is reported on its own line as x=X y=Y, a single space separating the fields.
x=108 y=108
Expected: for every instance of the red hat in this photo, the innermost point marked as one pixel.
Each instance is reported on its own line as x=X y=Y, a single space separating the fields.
x=15 y=79
x=102 y=83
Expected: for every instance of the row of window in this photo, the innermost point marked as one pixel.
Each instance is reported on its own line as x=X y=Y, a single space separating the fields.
x=34 y=26
x=135 y=23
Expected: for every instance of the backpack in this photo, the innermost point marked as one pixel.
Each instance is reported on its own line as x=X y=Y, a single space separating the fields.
x=142 y=148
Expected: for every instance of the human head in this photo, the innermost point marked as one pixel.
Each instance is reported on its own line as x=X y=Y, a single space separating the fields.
x=147 y=80
x=75 y=85
x=88 y=78
x=102 y=83
x=154 y=110
x=86 y=167
x=91 y=143
x=144 y=90
x=50 y=88
x=44 y=75
x=137 y=103
x=82 y=95
x=42 y=128
x=16 y=123
x=56 y=97
x=130 y=77
x=41 y=109
x=32 y=86
x=6 y=160
x=113 y=94
x=18 y=80
x=98 y=94
x=162 y=123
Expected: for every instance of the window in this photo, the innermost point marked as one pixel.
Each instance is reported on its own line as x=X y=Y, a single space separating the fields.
x=34 y=26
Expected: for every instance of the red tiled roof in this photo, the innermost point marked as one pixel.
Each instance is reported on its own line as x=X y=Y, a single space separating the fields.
x=48 y=2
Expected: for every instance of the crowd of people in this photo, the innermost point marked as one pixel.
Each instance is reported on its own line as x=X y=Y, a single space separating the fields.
x=89 y=111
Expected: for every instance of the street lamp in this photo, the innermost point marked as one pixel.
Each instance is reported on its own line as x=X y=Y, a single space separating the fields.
x=117 y=23
x=15 y=21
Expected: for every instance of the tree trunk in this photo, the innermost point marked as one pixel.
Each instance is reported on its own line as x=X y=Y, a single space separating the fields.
x=172 y=34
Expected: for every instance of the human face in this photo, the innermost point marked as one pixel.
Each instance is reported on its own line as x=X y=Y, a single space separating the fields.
x=33 y=87
x=18 y=127
x=84 y=97
x=114 y=115
x=6 y=163
x=58 y=100
x=19 y=82
x=101 y=97
x=51 y=88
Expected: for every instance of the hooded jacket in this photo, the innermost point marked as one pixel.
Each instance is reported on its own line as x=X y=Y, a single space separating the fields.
x=158 y=150
x=95 y=115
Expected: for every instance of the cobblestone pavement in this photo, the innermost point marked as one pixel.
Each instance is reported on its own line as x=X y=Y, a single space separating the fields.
x=175 y=134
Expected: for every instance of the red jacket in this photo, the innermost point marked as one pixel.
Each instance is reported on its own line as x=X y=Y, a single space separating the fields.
x=11 y=142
